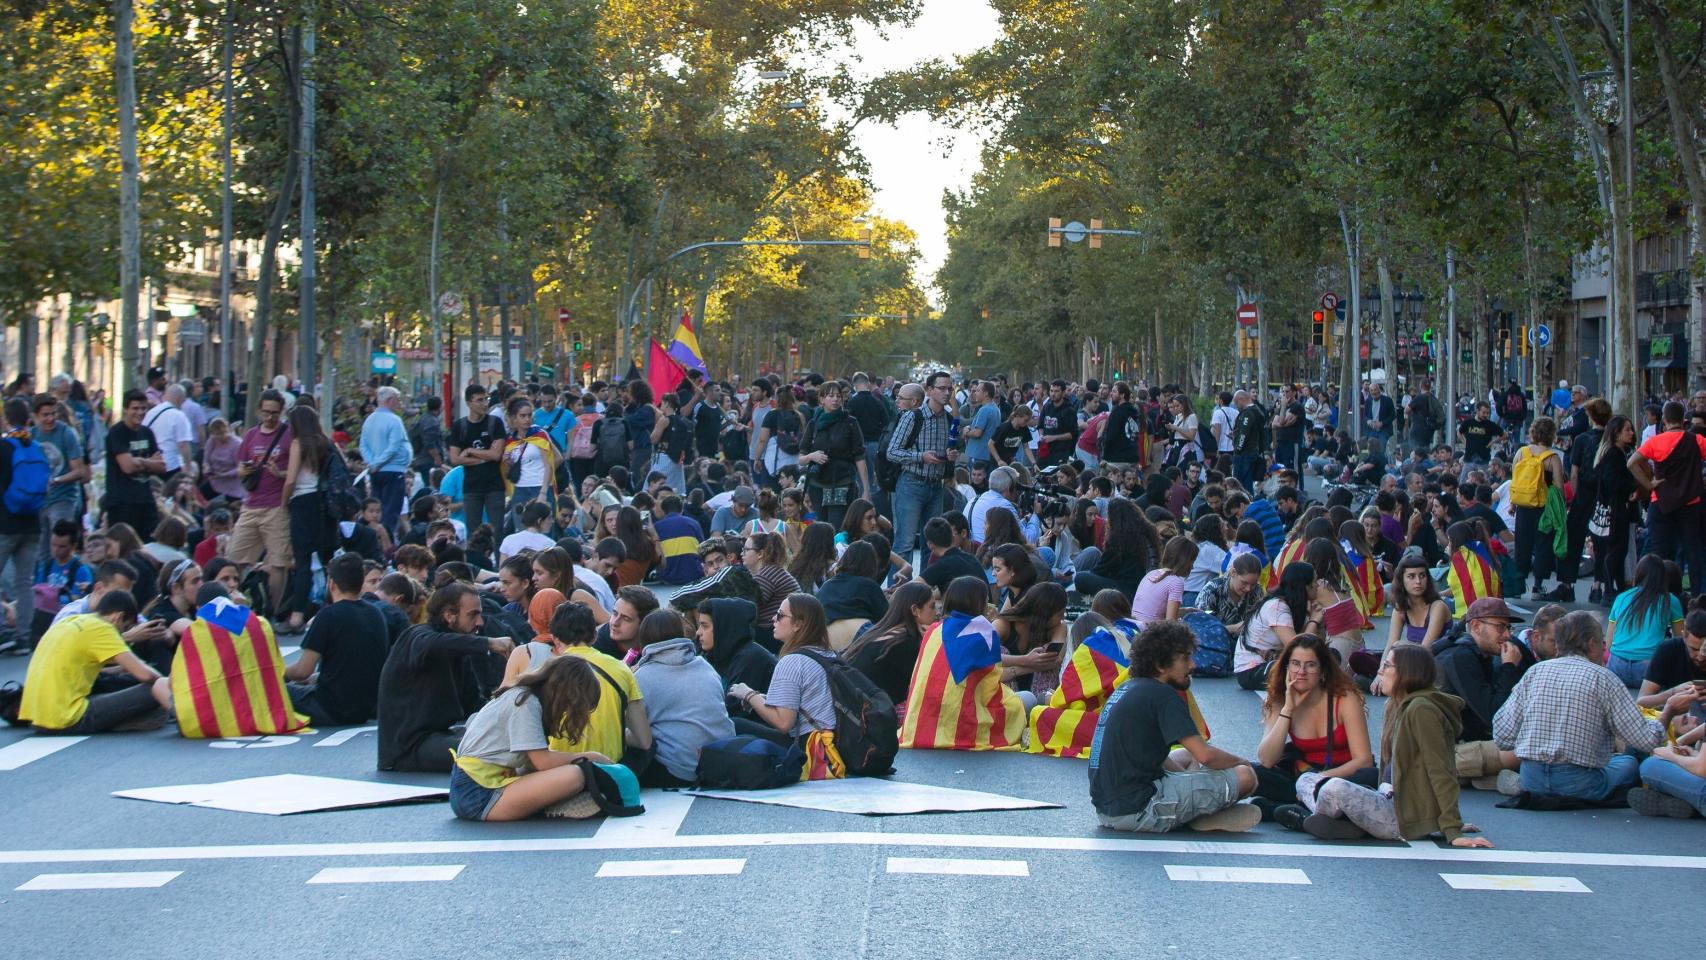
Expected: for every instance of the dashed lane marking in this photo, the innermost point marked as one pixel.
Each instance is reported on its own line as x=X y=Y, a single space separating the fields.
x=1236 y=875
x=101 y=881
x=1502 y=881
x=33 y=748
x=437 y=874
x=344 y=736
x=949 y=866
x=671 y=868
x=665 y=812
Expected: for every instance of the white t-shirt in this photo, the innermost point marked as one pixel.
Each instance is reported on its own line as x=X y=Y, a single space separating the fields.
x=595 y=585
x=1225 y=416
x=524 y=540
x=1259 y=636
x=170 y=428
x=1502 y=504
x=1206 y=566
x=532 y=464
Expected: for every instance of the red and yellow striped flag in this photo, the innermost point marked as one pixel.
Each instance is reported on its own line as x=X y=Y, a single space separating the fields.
x=231 y=684
x=1369 y=589
x=1471 y=577
x=1293 y=550
x=981 y=713
x=1065 y=725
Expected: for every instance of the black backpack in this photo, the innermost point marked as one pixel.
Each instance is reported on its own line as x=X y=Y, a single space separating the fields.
x=341 y=500
x=867 y=731
x=788 y=426
x=613 y=442
x=747 y=762
x=888 y=471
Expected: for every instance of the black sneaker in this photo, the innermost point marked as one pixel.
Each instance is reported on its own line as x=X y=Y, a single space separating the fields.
x=1651 y=803
x=1594 y=594
x=1323 y=827
x=1565 y=593
x=1291 y=816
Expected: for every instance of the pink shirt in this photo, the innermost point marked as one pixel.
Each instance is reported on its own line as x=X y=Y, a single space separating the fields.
x=1150 y=603
x=270 y=491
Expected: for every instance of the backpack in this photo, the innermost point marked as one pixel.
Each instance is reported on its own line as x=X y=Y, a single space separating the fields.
x=888 y=471
x=748 y=763
x=1213 y=655
x=867 y=732
x=1528 y=480
x=30 y=473
x=256 y=590
x=341 y=500
x=613 y=442
x=788 y=433
x=1513 y=406
x=678 y=439
x=1680 y=472
x=580 y=440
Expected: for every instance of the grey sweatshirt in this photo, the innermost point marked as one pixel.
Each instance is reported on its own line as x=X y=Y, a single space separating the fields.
x=684 y=702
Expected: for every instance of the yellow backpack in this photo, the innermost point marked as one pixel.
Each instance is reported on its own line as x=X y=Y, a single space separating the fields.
x=1528 y=480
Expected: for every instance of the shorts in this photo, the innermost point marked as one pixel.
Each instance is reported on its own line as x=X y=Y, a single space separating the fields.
x=1180 y=797
x=258 y=529
x=469 y=800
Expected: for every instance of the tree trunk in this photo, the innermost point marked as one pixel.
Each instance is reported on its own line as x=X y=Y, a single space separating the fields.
x=1684 y=130
x=130 y=205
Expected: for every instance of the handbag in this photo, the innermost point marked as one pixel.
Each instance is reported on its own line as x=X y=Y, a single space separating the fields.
x=1599 y=524
x=253 y=480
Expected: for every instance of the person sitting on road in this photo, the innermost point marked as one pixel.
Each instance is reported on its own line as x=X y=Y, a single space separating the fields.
x=1641 y=618
x=1342 y=616
x=1132 y=547
x=1481 y=666
x=1418 y=791
x=504 y=767
x=683 y=696
x=616 y=637
x=1537 y=639
x=1037 y=621
x=1291 y=608
x=957 y=700
x=431 y=682
x=65 y=690
x=854 y=590
x=534 y=653
x=798 y=701
x=1161 y=592
x=1138 y=781
x=618 y=728
x=174 y=603
x=1678 y=663
x=1566 y=715
x=109 y=575
x=1314 y=720
x=887 y=651
x=1419 y=615
x=335 y=680
x=724 y=632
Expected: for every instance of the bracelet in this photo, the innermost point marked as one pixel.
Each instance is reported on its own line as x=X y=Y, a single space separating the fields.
x=1286 y=716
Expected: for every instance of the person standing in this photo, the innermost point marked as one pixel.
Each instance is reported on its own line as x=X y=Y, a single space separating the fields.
x=1220 y=425
x=1249 y=440
x=1057 y=426
x=1121 y=430
x=1427 y=416
x=1669 y=468
x=476 y=445
x=385 y=449
x=426 y=438
x=67 y=463
x=24 y=477
x=919 y=444
x=1288 y=428
x=311 y=531
x=173 y=432
x=264 y=524
x=984 y=420
x=1379 y=416
x=133 y=456
x=832 y=451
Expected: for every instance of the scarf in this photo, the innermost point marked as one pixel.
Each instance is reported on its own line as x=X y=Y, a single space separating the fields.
x=539 y=611
x=829 y=418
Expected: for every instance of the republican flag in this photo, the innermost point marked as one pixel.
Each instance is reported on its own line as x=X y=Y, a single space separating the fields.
x=662 y=372
x=230 y=683
x=976 y=711
x=685 y=347
x=1471 y=576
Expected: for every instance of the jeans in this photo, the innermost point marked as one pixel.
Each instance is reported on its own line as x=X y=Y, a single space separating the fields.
x=469 y=800
x=1286 y=453
x=916 y=500
x=388 y=486
x=872 y=492
x=1677 y=536
x=310 y=533
x=20 y=550
x=142 y=517
x=1248 y=469
x=1631 y=672
x=1533 y=548
x=486 y=507
x=1325 y=466
x=1580 y=783
x=1670 y=779
x=519 y=498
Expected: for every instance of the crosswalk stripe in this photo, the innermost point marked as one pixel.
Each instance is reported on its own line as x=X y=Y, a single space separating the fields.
x=1237 y=875
x=387 y=874
x=1506 y=881
x=345 y=736
x=672 y=868
x=289 y=651
x=101 y=881
x=33 y=748
x=951 y=866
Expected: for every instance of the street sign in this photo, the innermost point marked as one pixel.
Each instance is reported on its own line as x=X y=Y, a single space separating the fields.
x=1075 y=231
x=794 y=349
x=384 y=362
x=563 y=315
x=1329 y=301
x=450 y=303
x=1542 y=335
x=1340 y=311
x=1248 y=314
x=1095 y=358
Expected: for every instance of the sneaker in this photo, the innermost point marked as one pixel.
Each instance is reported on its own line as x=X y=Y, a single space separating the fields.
x=1651 y=803
x=1594 y=594
x=1566 y=593
x=1234 y=819
x=1507 y=782
x=1291 y=816
x=581 y=806
x=1324 y=827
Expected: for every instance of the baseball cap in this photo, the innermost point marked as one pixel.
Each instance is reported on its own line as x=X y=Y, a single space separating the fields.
x=745 y=496
x=1491 y=608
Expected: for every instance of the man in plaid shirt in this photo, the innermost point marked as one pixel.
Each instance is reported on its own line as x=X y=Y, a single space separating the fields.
x=925 y=457
x=1565 y=714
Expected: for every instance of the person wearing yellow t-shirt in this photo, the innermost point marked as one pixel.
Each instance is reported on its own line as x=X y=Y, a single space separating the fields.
x=59 y=690
x=618 y=727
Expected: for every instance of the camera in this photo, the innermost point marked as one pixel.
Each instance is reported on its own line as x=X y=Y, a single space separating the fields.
x=1054 y=503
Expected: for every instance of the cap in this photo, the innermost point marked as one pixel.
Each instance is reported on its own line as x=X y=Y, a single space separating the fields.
x=744 y=496
x=1491 y=608
x=156 y=373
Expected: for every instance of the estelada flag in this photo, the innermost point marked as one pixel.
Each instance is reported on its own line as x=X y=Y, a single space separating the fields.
x=1293 y=550
x=1366 y=585
x=1471 y=576
x=230 y=683
x=980 y=713
x=1065 y=725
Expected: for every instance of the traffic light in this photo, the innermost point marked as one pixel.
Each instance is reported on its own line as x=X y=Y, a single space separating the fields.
x=1095 y=234
x=865 y=251
x=1522 y=340
x=980 y=352
x=1318 y=329
x=577 y=342
x=1504 y=342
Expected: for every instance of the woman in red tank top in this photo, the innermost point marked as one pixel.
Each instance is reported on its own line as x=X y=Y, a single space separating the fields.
x=1314 y=719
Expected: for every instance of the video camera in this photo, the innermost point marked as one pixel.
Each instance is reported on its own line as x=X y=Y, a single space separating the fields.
x=1055 y=502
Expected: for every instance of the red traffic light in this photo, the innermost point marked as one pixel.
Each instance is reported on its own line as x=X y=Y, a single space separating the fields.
x=1320 y=316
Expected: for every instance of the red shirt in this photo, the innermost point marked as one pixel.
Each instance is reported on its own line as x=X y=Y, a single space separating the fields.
x=1659 y=446
x=270 y=491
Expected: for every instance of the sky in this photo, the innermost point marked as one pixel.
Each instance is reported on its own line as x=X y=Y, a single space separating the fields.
x=914 y=161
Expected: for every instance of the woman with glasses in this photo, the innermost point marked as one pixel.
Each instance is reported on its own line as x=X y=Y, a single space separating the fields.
x=798 y=702
x=1313 y=720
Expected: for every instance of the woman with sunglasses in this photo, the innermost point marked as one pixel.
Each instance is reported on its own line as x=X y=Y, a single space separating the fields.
x=798 y=701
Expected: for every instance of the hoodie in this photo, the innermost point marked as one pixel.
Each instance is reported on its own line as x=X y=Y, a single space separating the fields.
x=735 y=657
x=1483 y=683
x=1423 y=765
x=684 y=702
x=733 y=580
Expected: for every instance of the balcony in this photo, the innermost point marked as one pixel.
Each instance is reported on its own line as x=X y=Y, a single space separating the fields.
x=1666 y=288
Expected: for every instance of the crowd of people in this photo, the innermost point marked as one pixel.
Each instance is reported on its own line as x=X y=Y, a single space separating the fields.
x=552 y=578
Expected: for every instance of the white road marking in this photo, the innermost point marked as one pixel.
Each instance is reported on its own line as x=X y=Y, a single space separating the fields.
x=1237 y=875
x=1503 y=881
x=33 y=748
x=386 y=874
x=1423 y=853
x=665 y=811
x=289 y=651
x=345 y=736
x=949 y=866
x=101 y=881
x=252 y=743
x=671 y=868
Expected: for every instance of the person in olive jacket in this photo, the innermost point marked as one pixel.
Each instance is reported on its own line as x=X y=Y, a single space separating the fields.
x=832 y=455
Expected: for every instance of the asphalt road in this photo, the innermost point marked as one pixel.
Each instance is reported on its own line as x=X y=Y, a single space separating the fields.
x=728 y=879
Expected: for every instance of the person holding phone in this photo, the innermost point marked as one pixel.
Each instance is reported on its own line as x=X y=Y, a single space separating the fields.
x=1033 y=633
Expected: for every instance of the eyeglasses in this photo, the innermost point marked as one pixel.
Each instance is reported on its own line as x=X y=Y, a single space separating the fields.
x=783 y=615
x=1304 y=666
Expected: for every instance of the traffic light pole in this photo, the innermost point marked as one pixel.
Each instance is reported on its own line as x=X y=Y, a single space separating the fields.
x=1450 y=359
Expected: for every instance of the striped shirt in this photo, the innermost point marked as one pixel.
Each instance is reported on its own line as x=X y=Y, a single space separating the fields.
x=932 y=437
x=1569 y=710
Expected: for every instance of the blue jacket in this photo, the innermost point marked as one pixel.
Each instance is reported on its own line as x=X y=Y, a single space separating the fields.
x=385 y=443
x=1273 y=529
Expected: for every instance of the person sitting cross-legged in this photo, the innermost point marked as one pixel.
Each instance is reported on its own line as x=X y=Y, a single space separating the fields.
x=431 y=681
x=1137 y=780
x=1315 y=721
x=64 y=690
x=335 y=680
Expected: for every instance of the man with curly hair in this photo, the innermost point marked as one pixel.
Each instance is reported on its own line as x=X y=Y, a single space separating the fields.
x=1151 y=771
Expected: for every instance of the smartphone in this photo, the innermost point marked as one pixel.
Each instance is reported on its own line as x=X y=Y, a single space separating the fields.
x=1700 y=685
x=1055 y=647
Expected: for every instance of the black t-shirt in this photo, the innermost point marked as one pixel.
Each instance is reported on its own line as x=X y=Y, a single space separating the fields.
x=1009 y=439
x=891 y=671
x=1583 y=449
x=1495 y=523
x=352 y=640
x=1119 y=434
x=123 y=487
x=1139 y=725
x=1478 y=436
x=1671 y=665
x=1056 y=420
x=488 y=476
x=707 y=427
x=873 y=416
x=1292 y=432
x=943 y=570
